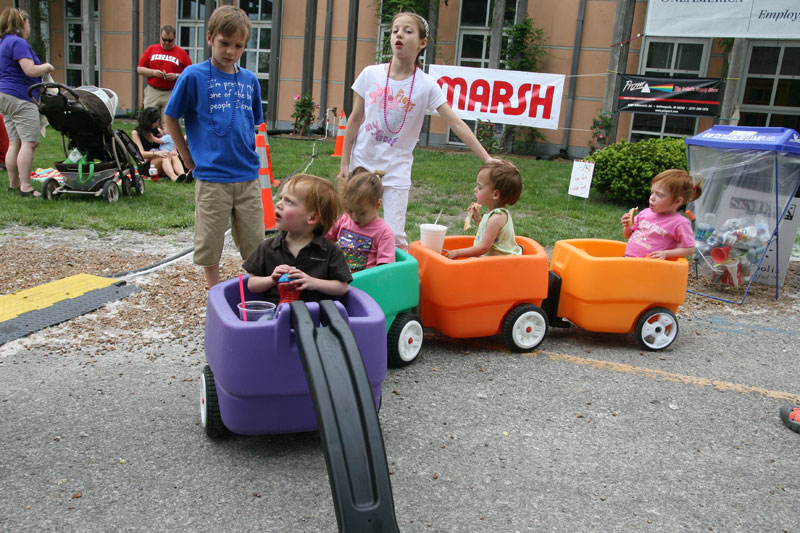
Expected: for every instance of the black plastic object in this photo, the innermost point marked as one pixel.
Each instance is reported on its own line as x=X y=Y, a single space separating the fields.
x=347 y=420
x=550 y=304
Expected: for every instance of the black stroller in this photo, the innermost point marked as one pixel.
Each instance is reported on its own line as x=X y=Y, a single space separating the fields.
x=99 y=160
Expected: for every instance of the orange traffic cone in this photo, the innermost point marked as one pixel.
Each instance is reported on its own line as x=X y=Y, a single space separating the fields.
x=262 y=129
x=265 y=178
x=337 y=152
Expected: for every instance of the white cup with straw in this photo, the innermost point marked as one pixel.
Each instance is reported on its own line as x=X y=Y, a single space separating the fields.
x=432 y=235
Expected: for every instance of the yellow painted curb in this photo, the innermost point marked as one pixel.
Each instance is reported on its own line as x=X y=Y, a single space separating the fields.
x=43 y=296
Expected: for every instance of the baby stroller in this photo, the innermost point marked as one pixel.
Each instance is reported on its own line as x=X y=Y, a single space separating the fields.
x=100 y=160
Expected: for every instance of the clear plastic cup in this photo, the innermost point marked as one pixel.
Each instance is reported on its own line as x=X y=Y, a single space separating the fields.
x=257 y=310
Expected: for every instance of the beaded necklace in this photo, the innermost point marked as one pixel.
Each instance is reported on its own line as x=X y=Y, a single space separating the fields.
x=235 y=102
x=386 y=91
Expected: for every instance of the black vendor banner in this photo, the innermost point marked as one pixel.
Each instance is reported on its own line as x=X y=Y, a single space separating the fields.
x=691 y=97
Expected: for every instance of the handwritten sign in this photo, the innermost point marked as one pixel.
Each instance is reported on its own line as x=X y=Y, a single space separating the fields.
x=581 y=180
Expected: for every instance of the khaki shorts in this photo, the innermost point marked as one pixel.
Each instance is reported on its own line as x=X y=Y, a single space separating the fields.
x=21 y=118
x=156 y=98
x=215 y=205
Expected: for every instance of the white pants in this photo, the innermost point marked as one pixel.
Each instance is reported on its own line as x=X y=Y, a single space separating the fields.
x=395 y=203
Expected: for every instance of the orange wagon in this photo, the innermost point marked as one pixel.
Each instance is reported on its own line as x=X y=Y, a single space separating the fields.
x=482 y=296
x=601 y=290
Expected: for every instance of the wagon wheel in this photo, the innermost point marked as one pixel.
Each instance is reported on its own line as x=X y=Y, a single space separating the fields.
x=524 y=328
x=110 y=191
x=49 y=189
x=404 y=340
x=210 y=416
x=656 y=329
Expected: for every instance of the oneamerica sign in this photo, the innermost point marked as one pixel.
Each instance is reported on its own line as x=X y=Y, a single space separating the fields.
x=502 y=96
x=753 y=19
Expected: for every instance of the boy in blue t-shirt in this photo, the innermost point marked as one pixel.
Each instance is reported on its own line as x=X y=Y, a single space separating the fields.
x=221 y=105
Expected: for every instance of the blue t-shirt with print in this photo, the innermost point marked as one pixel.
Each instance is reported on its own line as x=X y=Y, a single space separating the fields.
x=207 y=99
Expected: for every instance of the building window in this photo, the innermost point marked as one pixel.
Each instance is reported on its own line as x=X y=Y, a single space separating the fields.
x=192 y=37
x=681 y=58
x=474 y=39
x=191 y=28
x=771 y=89
x=474 y=33
x=75 y=45
x=257 y=50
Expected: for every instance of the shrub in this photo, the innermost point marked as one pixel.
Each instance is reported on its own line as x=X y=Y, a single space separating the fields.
x=623 y=171
x=485 y=134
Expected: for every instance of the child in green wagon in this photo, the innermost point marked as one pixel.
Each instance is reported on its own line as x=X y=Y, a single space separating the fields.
x=365 y=238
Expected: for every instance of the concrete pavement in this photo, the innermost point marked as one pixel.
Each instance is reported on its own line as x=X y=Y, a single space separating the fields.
x=587 y=434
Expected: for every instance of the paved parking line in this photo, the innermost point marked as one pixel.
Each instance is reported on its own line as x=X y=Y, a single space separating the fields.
x=667 y=376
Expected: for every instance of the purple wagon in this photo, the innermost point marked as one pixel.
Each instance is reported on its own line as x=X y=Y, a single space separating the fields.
x=255 y=383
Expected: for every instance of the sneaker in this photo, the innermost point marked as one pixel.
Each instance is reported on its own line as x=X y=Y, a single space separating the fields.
x=791 y=417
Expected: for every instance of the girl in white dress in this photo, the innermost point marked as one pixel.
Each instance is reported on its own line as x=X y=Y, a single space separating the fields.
x=389 y=106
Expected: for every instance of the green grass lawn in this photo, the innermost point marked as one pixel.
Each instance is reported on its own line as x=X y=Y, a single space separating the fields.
x=442 y=180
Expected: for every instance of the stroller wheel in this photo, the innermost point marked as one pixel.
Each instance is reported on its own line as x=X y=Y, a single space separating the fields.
x=49 y=189
x=127 y=186
x=110 y=191
x=138 y=185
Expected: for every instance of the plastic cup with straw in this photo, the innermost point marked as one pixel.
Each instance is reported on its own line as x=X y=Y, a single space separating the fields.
x=432 y=235
x=241 y=295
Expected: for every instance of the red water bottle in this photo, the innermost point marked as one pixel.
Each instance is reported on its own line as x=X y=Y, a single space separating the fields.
x=287 y=290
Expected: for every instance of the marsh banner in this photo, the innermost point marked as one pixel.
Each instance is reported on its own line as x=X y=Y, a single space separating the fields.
x=692 y=97
x=502 y=96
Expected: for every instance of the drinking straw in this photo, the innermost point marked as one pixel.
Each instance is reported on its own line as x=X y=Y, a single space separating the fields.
x=241 y=295
x=437 y=216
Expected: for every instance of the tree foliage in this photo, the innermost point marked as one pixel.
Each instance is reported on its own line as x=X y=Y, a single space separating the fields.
x=525 y=50
x=393 y=7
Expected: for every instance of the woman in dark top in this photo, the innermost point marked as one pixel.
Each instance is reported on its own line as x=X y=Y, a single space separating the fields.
x=148 y=137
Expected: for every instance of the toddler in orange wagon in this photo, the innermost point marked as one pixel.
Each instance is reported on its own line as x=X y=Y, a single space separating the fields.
x=660 y=232
x=498 y=185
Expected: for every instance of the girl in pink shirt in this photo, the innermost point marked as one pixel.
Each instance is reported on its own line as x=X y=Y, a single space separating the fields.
x=364 y=237
x=660 y=232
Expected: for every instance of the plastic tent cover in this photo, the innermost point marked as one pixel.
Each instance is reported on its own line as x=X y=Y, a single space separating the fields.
x=749 y=176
